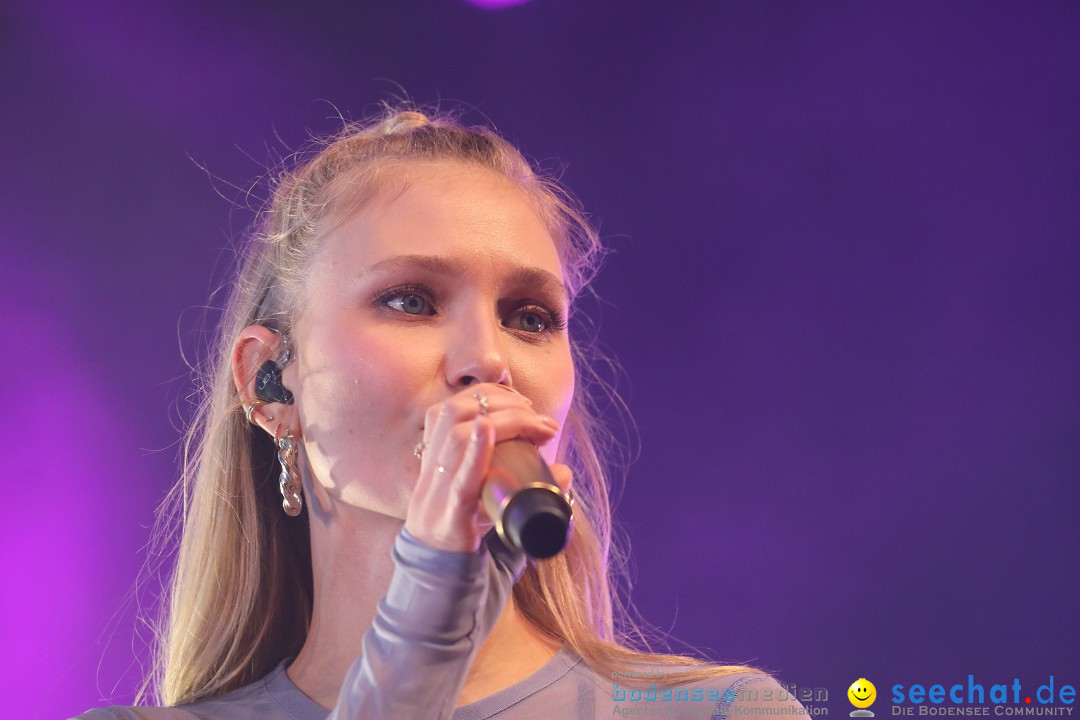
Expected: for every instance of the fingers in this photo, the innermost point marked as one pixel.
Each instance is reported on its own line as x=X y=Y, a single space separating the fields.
x=477 y=460
x=517 y=423
x=511 y=414
x=440 y=512
x=460 y=435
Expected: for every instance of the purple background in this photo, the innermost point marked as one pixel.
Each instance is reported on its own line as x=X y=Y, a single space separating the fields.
x=844 y=293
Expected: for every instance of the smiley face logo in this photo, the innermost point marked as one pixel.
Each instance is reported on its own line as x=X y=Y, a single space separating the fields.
x=862 y=693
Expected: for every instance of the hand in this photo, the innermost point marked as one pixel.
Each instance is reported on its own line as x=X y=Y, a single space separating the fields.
x=445 y=510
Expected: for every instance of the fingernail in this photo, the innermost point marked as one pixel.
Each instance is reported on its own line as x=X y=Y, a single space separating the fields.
x=474 y=437
x=550 y=422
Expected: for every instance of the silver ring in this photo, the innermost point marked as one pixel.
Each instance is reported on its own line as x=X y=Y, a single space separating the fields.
x=250 y=410
x=418 y=450
x=482 y=399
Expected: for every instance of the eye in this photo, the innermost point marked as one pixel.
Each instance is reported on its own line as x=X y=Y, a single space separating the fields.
x=411 y=304
x=532 y=321
x=411 y=300
x=536 y=320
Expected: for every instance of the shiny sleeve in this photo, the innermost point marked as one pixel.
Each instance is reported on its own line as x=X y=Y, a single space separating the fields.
x=438 y=609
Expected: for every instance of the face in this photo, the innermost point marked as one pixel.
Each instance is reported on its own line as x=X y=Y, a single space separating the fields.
x=453 y=281
x=862 y=693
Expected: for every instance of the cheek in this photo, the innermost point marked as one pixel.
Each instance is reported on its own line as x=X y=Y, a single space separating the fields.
x=547 y=379
x=550 y=385
x=332 y=380
x=564 y=380
x=354 y=401
x=566 y=395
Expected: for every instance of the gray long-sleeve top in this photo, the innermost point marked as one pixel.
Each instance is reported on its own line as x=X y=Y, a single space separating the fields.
x=439 y=608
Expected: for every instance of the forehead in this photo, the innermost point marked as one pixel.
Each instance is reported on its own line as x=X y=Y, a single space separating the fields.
x=473 y=215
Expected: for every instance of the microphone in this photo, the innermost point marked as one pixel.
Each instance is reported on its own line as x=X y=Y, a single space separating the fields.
x=520 y=495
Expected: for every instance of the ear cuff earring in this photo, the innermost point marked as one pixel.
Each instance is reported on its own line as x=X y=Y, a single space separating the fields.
x=292 y=499
x=249 y=411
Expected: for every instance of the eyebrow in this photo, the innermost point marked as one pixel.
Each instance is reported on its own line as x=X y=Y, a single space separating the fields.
x=453 y=267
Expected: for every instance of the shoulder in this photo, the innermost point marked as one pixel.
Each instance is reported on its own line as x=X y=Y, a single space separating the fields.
x=241 y=704
x=115 y=712
x=252 y=701
x=643 y=690
x=738 y=696
x=750 y=696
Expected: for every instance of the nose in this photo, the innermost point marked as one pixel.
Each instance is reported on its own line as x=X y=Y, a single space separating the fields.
x=476 y=351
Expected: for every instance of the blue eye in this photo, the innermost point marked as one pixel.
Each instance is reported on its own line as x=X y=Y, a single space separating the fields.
x=409 y=303
x=408 y=299
x=537 y=320
x=532 y=321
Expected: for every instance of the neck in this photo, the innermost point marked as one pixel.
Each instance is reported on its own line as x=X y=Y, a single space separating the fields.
x=352 y=568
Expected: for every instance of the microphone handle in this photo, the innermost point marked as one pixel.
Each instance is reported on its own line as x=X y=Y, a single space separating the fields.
x=520 y=495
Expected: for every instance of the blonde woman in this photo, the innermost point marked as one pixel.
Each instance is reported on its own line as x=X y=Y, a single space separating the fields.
x=401 y=311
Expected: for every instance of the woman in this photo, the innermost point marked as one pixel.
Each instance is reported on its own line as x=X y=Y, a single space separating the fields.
x=402 y=311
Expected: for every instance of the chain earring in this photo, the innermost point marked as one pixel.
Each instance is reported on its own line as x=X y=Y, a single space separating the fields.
x=292 y=488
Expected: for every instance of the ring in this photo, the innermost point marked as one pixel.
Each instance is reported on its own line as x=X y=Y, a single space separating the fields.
x=569 y=495
x=482 y=399
x=250 y=409
x=418 y=450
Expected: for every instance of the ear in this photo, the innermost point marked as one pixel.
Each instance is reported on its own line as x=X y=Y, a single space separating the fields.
x=255 y=346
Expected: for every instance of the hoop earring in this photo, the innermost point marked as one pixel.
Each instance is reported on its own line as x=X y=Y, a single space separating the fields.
x=249 y=411
x=292 y=499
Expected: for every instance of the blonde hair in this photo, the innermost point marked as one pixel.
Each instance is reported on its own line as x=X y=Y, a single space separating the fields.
x=241 y=591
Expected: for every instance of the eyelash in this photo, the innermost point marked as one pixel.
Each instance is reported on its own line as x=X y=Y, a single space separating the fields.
x=553 y=319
